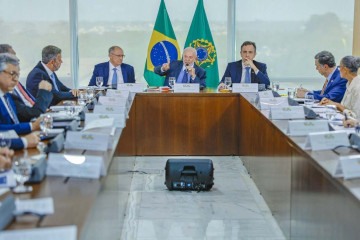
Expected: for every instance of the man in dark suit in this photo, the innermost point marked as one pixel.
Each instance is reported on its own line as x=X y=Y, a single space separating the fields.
x=9 y=76
x=45 y=70
x=185 y=71
x=334 y=86
x=27 y=106
x=247 y=70
x=114 y=71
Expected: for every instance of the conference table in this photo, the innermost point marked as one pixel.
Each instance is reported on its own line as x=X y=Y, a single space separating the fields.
x=297 y=185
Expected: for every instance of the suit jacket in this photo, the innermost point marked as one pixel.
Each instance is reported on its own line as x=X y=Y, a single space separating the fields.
x=25 y=113
x=102 y=70
x=335 y=88
x=234 y=70
x=17 y=144
x=6 y=122
x=175 y=69
x=39 y=73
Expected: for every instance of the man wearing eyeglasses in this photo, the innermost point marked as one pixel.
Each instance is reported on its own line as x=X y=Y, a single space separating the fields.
x=114 y=71
x=9 y=75
x=29 y=107
x=45 y=70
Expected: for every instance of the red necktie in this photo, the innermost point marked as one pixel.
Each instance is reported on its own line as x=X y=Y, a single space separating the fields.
x=26 y=96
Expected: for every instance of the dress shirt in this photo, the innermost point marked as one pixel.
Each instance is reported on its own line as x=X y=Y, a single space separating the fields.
x=120 y=78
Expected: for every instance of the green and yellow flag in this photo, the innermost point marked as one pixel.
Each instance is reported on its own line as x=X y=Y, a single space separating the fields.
x=200 y=38
x=163 y=47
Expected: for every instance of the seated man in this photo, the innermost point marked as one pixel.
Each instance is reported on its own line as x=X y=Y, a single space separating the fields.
x=45 y=70
x=334 y=86
x=9 y=75
x=247 y=70
x=114 y=71
x=28 y=107
x=185 y=71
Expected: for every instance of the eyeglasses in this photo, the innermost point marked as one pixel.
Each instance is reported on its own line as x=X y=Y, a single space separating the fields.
x=121 y=55
x=13 y=74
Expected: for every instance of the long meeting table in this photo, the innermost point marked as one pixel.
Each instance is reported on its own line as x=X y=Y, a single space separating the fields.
x=297 y=185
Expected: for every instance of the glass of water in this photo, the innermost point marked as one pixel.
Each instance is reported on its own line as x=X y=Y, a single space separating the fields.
x=99 y=81
x=309 y=100
x=46 y=124
x=227 y=82
x=172 y=81
x=22 y=170
x=330 y=112
x=291 y=92
x=82 y=98
x=275 y=86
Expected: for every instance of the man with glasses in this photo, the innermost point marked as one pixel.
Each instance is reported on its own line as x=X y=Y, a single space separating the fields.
x=9 y=75
x=29 y=107
x=45 y=70
x=114 y=71
x=334 y=86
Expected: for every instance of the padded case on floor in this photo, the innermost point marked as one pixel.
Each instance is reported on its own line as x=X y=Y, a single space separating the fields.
x=189 y=174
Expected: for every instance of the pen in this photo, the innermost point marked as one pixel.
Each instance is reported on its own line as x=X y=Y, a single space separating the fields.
x=346 y=118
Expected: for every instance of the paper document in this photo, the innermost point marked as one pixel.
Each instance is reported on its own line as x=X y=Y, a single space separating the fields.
x=42 y=206
x=53 y=233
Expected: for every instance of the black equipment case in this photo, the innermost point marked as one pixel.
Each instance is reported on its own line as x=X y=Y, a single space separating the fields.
x=189 y=174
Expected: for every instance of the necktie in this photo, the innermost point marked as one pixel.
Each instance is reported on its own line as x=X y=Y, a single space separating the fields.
x=114 y=79
x=25 y=94
x=11 y=109
x=185 y=77
x=324 y=87
x=52 y=77
x=247 y=75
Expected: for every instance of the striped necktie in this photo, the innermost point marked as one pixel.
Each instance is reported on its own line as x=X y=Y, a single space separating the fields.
x=25 y=94
x=11 y=109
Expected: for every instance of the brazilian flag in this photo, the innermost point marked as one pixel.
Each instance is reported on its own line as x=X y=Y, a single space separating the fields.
x=200 y=38
x=163 y=47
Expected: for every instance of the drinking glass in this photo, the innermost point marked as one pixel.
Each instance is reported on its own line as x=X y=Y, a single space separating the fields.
x=99 y=81
x=309 y=100
x=172 y=81
x=291 y=92
x=46 y=124
x=4 y=141
x=89 y=94
x=275 y=86
x=82 y=98
x=70 y=110
x=227 y=82
x=22 y=170
x=330 y=112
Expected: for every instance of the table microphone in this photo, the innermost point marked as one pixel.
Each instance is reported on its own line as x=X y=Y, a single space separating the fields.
x=186 y=69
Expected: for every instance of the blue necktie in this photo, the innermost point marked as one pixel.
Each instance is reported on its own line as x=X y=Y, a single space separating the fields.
x=114 y=79
x=185 y=77
x=247 y=75
x=11 y=109
x=52 y=77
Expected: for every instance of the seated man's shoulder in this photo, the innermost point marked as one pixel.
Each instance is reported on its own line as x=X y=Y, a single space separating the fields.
x=101 y=65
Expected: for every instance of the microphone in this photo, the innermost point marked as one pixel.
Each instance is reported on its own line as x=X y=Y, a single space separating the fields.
x=186 y=69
